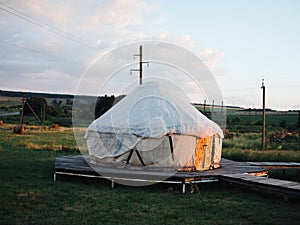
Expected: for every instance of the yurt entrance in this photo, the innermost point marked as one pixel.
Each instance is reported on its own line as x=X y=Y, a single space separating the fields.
x=203 y=153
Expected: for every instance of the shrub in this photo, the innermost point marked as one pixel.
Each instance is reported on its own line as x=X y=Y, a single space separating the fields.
x=236 y=120
x=258 y=123
x=283 y=124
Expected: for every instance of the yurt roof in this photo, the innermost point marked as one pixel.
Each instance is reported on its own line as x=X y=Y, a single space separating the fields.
x=155 y=109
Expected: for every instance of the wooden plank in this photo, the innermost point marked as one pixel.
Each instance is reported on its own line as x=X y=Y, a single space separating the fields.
x=245 y=177
x=276 y=165
x=80 y=163
x=65 y=164
x=286 y=187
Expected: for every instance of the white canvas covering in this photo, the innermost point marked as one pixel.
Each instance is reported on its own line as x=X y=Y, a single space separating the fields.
x=142 y=121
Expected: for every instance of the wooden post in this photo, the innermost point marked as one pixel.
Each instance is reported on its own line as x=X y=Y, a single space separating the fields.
x=36 y=116
x=141 y=64
x=264 y=116
x=183 y=187
x=22 y=112
x=298 y=124
x=44 y=110
x=112 y=183
x=222 y=107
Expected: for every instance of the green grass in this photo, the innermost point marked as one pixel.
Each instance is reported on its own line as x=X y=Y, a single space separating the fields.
x=285 y=174
x=28 y=194
x=243 y=141
x=247 y=121
x=247 y=147
x=253 y=141
x=247 y=155
x=36 y=137
x=271 y=118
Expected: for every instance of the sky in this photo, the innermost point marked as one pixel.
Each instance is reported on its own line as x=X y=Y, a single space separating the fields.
x=47 y=46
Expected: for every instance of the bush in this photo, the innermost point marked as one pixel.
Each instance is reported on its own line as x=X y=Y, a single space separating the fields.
x=236 y=120
x=258 y=123
x=283 y=124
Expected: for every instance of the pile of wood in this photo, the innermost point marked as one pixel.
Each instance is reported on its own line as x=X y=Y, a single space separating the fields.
x=278 y=137
x=19 y=129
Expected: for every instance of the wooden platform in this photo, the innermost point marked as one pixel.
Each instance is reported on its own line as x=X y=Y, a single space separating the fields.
x=78 y=166
x=245 y=173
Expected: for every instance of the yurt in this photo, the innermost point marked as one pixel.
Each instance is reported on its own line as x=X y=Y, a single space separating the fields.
x=155 y=125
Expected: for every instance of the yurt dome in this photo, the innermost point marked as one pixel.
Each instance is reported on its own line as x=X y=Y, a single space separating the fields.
x=156 y=125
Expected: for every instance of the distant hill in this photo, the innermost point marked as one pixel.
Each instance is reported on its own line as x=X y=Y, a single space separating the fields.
x=22 y=94
x=218 y=106
x=34 y=94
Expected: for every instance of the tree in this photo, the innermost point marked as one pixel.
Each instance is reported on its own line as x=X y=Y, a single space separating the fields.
x=103 y=104
x=37 y=105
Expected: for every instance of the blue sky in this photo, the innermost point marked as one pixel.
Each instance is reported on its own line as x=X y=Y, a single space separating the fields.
x=241 y=41
x=259 y=39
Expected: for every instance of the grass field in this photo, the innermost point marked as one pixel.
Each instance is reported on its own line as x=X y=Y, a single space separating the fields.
x=247 y=147
x=28 y=194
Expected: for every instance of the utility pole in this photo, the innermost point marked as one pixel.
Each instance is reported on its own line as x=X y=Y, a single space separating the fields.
x=140 y=64
x=264 y=116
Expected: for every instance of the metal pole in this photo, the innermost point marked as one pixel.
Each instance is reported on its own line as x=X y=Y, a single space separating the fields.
x=264 y=116
x=22 y=112
x=141 y=64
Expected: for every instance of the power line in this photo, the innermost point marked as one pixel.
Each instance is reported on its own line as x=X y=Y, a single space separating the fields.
x=38 y=52
x=43 y=25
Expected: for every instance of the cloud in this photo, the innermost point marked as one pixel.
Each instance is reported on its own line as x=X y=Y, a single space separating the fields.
x=64 y=37
x=31 y=81
x=185 y=40
x=210 y=56
x=117 y=13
